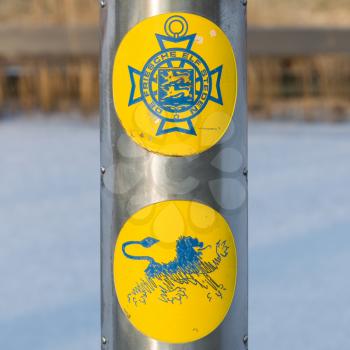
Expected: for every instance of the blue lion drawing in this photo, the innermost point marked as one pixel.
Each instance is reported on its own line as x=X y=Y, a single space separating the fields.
x=170 y=279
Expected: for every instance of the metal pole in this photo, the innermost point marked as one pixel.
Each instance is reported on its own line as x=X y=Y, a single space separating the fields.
x=174 y=242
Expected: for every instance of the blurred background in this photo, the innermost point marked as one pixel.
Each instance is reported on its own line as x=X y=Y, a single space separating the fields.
x=299 y=145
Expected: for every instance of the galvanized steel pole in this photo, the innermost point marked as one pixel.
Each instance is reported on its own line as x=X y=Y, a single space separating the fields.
x=163 y=164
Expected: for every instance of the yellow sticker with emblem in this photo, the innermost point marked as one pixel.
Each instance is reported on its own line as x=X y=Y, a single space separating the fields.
x=175 y=268
x=175 y=84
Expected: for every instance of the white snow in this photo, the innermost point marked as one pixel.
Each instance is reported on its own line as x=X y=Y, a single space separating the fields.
x=49 y=253
x=299 y=236
x=49 y=225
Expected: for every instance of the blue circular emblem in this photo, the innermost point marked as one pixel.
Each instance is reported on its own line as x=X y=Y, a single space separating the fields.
x=175 y=84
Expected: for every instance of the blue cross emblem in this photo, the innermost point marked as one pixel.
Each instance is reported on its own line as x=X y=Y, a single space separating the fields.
x=176 y=83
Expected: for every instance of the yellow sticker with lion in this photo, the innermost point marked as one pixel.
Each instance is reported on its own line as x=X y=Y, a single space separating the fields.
x=175 y=268
x=175 y=84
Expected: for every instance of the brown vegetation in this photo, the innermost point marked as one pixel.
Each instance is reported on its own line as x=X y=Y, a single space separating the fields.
x=48 y=84
x=48 y=12
x=299 y=13
x=311 y=87
x=260 y=12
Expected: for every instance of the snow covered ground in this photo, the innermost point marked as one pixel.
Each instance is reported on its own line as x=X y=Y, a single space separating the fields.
x=299 y=236
x=49 y=225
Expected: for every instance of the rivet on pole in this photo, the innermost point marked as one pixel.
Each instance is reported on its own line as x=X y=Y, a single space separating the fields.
x=245 y=173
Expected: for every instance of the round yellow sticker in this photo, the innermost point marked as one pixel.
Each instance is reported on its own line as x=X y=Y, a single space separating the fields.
x=175 y=84
x=175 y=268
